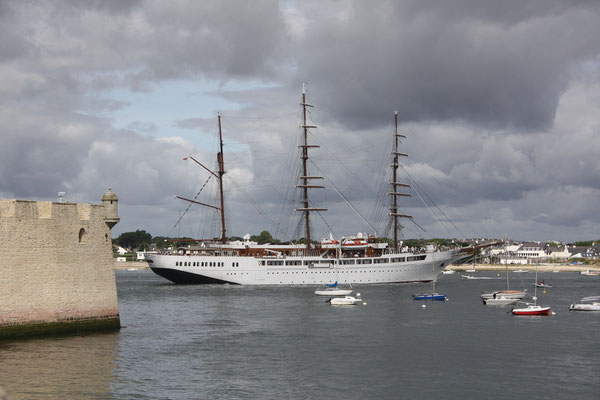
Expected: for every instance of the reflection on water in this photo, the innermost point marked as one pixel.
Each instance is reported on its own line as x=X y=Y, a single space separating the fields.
x=69 y=367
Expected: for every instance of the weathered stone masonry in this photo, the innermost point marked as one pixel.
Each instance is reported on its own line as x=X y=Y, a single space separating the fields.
x=56 y=267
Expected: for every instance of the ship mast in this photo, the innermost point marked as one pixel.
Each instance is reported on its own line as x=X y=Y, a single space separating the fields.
x=219 y=176
x=304 y=178
x=395 y=184
x=221 y=173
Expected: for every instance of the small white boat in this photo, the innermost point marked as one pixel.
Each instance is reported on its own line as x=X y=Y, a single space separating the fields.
x=448 y=272
x=520 y=270
x=333 y=292
x=542 y=285
x=590 y=273
x=507 y=294
x=470 y=270
x=500 y=301
x=476 y=277
x=344 y=301
x=591 y=303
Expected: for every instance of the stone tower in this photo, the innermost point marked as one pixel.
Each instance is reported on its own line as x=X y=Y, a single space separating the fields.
x=57 y=267
x=110 y=202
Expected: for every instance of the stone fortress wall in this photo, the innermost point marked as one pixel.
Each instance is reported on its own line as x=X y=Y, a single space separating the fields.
x=56 y=267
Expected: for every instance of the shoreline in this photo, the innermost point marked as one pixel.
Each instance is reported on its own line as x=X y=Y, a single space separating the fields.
x=130 y=265
x=525 y=267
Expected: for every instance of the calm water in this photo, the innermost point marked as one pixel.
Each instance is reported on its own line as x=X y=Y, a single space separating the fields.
x=229 y=342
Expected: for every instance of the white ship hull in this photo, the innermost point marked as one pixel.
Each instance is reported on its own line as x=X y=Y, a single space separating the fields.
x=288 y=271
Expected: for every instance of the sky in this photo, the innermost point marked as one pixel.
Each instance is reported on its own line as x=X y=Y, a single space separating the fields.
x=499 y=103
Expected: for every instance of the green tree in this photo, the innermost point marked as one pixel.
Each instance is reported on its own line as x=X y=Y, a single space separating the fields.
x=134 y=240
x=264 y=237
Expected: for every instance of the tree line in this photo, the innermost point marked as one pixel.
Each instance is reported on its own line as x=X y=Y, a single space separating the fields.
x=142 y=240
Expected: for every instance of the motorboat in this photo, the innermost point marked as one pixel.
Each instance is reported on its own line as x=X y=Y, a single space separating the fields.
x=429 y=296
x=470 y=270
x=520 y=270
x=542 y=284
x=589 y=272
x=507 y=294
x=500 y=301
x=590 y=303
x=448 y=272
x=344 y=301
x=477 y=277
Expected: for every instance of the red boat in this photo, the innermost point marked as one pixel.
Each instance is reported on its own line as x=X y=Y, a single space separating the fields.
x=531 y=310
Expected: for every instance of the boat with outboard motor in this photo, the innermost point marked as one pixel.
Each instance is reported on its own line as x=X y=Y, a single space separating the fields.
x=507 y=294
x=359 y=259
x=500 y=301
x=345 y=301
x=590 y=303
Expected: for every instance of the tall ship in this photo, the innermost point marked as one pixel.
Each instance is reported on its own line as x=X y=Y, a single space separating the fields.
x=357 y=259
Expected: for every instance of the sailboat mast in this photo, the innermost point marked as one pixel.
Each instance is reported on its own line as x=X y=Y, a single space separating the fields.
x=394 y=193
x=221 y=173
x=305 y=185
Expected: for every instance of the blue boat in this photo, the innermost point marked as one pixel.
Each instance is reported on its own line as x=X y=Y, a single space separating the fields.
x=429 y=296
x=433 y=295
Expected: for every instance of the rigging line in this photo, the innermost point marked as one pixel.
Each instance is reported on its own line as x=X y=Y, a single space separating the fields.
x=190 y=205
x=258 y=208
x=436 y=206
x=344 y=198
x=423 y=229
x=323 y=218
x=343 y=164
x=424 y=202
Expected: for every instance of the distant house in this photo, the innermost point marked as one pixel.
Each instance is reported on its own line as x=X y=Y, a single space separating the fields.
x=508 y=260
x=531 y=250
x=558 y=252
x=122 y=251
x=592 y=252
x=140 y=255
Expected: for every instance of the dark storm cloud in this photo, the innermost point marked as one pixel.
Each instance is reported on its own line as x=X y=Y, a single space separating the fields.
x=494 y=64
x=498 y=99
